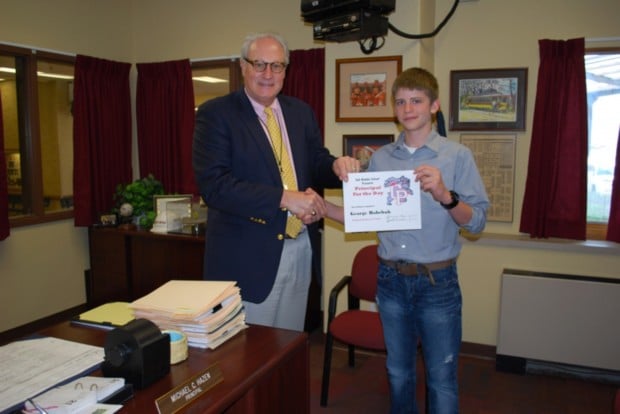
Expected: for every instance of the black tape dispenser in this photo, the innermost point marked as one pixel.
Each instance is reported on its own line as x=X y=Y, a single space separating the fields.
x=137 y=351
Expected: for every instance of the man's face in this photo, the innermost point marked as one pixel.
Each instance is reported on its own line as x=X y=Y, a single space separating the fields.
x=264 y=86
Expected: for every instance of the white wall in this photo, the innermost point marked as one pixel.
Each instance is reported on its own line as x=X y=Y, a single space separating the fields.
x=41 y=271
x=481 y=34
x=42 y=267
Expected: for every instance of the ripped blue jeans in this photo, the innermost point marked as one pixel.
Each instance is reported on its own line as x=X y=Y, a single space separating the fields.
x=414 y=309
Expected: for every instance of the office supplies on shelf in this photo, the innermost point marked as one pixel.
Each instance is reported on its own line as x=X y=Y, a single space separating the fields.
x=32 y=366
x=107 y=316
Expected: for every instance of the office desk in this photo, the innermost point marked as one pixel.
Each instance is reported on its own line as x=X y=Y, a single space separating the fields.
x=265 y=370
x=127 y=264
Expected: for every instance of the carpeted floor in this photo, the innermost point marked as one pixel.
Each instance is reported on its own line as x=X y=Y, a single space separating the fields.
x=483 y=390
x=362 y=389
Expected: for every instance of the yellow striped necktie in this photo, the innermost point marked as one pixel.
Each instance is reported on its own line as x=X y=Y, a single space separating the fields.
x=293 y=224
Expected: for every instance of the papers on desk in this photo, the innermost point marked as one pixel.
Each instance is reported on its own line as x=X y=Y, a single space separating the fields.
x=81 y=396
x=32 y=366
x=208 y=312
x=107 y=316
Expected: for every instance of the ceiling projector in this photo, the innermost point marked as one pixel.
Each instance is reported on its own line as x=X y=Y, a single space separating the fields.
x=347 y=20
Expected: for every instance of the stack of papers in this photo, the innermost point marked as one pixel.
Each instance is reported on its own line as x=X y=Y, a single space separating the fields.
x=208 y=312
x=32 y=366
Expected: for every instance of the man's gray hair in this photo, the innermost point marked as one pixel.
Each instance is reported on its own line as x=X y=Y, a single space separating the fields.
x=251 y=38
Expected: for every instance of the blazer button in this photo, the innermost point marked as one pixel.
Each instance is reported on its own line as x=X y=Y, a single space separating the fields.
x=280 y=236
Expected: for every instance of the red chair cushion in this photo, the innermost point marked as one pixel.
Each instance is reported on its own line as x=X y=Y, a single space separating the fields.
x=360 y=328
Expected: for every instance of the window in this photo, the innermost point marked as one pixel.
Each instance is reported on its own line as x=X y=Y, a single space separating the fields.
x=36 y=90
x=603 y=87
x=215 y=78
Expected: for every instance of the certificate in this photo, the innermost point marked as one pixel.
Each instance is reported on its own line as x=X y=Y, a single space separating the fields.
x=381 y=201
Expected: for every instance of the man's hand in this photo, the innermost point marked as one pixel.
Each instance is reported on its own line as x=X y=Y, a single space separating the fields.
x=344 y=165
x=308 y=205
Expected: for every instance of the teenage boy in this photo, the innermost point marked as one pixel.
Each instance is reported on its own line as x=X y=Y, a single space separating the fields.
x=418 y=294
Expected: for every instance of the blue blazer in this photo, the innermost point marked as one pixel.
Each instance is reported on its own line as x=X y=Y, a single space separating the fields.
x=239 y=180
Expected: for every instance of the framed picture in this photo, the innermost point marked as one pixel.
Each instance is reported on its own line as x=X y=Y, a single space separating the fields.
x=362 y=88
x=108 y=220
x=170 y=210
x=362 y=147
x=488 y=99
x=13 y=169
x=160 y=201
x=495 y=157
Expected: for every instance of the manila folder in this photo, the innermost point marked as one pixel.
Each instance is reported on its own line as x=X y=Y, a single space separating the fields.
x=186 y=299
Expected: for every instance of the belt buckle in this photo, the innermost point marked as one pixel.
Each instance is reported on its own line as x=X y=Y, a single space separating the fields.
x=406 y=268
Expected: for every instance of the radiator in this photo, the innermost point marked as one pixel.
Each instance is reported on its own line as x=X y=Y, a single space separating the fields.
x=571 y=322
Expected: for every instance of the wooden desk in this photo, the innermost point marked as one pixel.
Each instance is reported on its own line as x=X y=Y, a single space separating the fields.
x=265 y=370
x=128 y=264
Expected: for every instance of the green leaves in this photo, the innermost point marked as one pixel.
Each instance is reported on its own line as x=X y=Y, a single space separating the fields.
x=140 y=195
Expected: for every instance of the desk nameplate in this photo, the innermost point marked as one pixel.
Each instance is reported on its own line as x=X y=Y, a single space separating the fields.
x=190 y=390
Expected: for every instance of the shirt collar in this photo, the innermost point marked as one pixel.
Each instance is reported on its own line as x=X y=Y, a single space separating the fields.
x=432 y=142
x=260 y=108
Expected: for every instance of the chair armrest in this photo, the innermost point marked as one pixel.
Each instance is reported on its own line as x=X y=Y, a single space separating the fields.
x=333 y=297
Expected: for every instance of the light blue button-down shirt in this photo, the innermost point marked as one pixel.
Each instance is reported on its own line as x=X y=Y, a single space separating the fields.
x=438 y=239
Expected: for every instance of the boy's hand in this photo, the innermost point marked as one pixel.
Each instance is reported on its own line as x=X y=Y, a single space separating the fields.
x=431 y=182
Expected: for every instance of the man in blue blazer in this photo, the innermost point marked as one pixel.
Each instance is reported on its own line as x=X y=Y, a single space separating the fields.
x=238 y=172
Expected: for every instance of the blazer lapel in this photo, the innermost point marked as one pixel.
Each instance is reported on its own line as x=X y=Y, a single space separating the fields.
x=256 y=133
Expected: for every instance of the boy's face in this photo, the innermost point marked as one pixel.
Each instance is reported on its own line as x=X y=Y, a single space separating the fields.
x=414 y=109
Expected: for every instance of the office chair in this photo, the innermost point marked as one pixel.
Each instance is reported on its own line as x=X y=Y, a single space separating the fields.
x=354 y=327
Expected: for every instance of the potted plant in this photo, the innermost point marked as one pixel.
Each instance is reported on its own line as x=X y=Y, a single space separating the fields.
x=135 y=200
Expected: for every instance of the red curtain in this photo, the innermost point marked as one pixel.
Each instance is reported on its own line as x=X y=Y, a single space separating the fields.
x=613 y=225
x=305 y=79
x=5 y=229
x=101 y=135
x=165 y=120
x=555 y=198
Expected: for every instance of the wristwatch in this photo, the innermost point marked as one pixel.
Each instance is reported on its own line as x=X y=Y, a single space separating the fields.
x=453 y=203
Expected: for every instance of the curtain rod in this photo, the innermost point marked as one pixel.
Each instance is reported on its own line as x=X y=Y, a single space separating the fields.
x=38 y=49
x=234 y=57
x=603 y=39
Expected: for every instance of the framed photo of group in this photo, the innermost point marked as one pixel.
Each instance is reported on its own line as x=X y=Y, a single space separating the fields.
x=361 y=147
x=488 y=99
x=362 y=88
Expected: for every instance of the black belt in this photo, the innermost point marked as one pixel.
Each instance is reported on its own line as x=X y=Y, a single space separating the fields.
x=413 y=269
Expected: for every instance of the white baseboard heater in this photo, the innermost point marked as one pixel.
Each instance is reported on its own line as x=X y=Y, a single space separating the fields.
x=559 y=324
